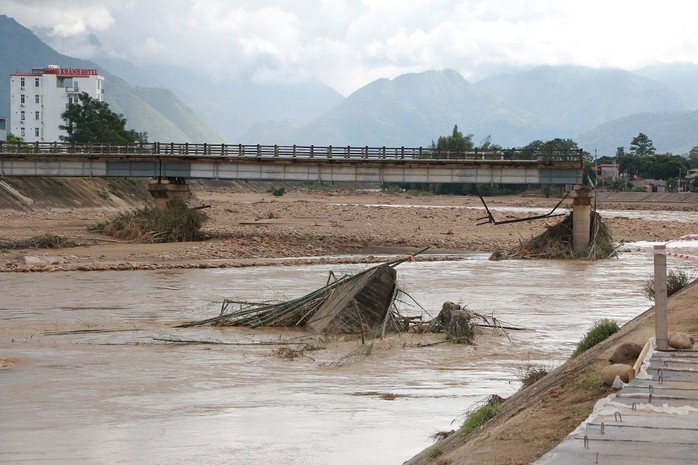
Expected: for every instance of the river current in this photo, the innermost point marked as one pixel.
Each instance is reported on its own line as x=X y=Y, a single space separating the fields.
x=117 y=394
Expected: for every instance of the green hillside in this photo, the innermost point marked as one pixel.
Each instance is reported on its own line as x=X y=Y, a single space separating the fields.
x=414 y=109
x=674 y=132
x=579 y=98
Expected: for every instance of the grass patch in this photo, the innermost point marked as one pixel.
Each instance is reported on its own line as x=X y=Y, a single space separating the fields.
x=481 y=415
x=45 y=241
x=585 y=382
x=599 y=331
x=530 y=374
x=104 y=195
x=675 y=281
x=178 y=223
x=435 y=452
x=317 y=186
x=392 y=189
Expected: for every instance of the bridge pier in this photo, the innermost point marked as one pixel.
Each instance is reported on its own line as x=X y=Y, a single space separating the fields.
x=165 y=189
x=581 y=217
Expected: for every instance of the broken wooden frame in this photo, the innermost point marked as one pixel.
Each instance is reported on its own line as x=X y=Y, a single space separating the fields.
x=490 y=218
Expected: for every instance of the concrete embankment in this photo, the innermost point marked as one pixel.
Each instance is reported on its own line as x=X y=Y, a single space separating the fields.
x=537 y=418
x=648 y=197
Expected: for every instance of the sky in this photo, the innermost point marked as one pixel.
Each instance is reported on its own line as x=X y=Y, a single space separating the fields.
x=348 y=43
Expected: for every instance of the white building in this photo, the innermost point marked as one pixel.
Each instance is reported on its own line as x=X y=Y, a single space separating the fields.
x=38 y=99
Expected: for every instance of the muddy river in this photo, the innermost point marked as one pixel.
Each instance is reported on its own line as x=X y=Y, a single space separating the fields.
x=118 y=394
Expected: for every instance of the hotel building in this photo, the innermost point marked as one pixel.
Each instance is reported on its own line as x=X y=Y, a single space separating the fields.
x=39 y=98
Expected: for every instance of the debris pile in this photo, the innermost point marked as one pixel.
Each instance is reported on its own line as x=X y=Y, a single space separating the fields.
x=352 y=304
x=364 y=303
x=556 y=243
x=459 y=324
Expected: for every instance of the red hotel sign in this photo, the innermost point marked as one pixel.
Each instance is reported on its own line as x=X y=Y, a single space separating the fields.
x=71 y=71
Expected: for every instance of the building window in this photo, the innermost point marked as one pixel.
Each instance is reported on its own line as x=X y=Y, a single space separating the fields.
x=36 y=132
x=21 y=132
x=37 y=115
x=37 y=82
x=21 y=115
x=21 y=98
x=36 y=98
x=21 y=82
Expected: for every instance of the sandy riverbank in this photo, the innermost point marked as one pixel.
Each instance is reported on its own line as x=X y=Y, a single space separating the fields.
x=256 y=228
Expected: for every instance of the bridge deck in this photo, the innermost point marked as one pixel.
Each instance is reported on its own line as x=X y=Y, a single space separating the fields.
x=291 y=163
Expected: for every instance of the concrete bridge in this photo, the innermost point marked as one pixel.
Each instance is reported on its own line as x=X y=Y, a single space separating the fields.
x=170 y=165
x=290 y=163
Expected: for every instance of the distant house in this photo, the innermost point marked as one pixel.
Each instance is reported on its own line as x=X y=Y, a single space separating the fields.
x=607 y=170
x=651 y=185
x=3 y=129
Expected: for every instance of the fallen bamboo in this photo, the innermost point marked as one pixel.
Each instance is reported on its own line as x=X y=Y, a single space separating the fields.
x=208 y=342
x=286 y=313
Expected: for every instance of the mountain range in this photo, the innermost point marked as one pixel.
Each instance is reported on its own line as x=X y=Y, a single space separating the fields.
x=599 y=108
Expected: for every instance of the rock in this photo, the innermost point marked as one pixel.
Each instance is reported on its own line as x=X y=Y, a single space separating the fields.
x=609 y=373
x=626 y=353
x=681 y=341
x=447 y=310
x=459 y=326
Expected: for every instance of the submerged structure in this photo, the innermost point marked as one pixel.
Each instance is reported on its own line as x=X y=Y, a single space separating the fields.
x=351 y=304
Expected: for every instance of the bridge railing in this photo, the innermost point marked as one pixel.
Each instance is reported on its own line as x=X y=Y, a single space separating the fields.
x=259 y=151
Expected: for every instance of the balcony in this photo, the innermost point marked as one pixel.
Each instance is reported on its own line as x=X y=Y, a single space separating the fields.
x=72 y=90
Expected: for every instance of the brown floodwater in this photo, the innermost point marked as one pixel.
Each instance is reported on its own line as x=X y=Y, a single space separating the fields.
x=123 y=397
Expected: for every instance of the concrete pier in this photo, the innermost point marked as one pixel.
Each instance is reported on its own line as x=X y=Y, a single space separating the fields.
x=164 y=190
x=581 y=217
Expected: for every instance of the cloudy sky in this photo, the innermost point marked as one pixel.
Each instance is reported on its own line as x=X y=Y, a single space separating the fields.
x=348 y=43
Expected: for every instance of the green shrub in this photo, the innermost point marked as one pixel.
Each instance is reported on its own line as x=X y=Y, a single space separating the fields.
x=675 y=281
x=277 y=191
x=599 y=331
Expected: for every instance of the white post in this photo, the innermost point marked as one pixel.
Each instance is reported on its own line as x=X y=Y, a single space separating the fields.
x=660 y=298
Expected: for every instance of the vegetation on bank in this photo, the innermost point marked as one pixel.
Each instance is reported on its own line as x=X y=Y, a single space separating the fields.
x=44 y=241
x=675 y=281
x=481 y=415
x=599 y=331
x=177 y=223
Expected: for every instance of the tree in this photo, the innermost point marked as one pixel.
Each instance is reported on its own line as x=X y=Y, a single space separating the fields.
x=552 y=148
x=486 y=144
x=456 y=142
x=92 y=122
x=12 y=138
x=693 y=158
x=641 y=145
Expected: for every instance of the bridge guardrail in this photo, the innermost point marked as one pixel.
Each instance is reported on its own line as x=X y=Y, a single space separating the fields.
x=259 y=151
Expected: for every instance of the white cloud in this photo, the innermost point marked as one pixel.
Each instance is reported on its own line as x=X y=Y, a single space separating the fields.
x=347 y=43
